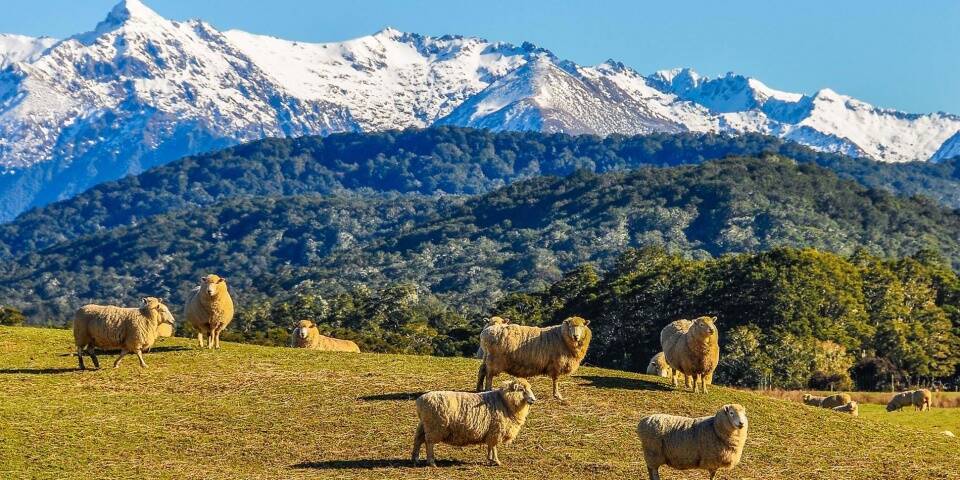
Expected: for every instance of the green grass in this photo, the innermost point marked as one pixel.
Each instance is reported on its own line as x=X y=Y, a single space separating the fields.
x=258 y=412
x=935 y=420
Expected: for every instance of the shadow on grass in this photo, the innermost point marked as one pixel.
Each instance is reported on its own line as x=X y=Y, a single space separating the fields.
x=624 y=383
x=37 y=371
x=392 y=396
x=170 y=348
x=370 y=463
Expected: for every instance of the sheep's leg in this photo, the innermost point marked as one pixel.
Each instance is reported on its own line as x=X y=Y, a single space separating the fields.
x=93 y=356
x=713 y=474
x=430 y=459
x=418 y=439
x=556 y=390
x=80 y=357
x=494 y=458
x=200 y=338
x=117 y=362
x=218 y=338
x=654 y=473
x=481 y=376
x=488 y=382
x=143 y=364
x=686 y=381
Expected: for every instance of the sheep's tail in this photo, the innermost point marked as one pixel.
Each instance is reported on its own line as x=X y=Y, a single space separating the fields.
x=418 y=439
x=481 y=375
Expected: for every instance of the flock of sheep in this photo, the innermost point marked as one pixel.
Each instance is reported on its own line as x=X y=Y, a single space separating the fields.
x=490 y=417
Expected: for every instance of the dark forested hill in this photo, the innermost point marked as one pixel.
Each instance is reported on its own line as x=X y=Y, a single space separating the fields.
x=470 y=251
x=430 y=162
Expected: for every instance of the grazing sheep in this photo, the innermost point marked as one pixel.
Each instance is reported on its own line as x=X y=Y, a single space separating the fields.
x=307 y=335
x=128 y=329
x=920 y=399
x=526 y=352
x=812 y=400
x=209 y=309
x=658 y=366
x=464 y=418
x=692 y=349
x=493 y=321
x=850 y=407
x=706 y=443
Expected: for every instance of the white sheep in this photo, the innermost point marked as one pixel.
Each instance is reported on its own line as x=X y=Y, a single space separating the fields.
x=131 y=330
x=706 y=443
x=920 y=399
x=658 y=366
x=491 y=322
x=524 y=351
x=307 y=335
x=692 y=349
x=850 y=407
x=462 y=418
x=209 y=309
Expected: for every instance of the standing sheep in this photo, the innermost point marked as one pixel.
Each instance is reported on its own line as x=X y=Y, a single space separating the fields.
x=850 y=407
x=658 y=366
x=706 y=443
x=463 y=418
x=692 y=349
x=920 y=399
x=128 y=329
x=307 y=335
x=526 y=352
x=492 y=322
x=209 y=309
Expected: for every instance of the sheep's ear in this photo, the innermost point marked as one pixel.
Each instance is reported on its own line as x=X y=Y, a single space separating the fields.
x=586 y=323
x=143 y=300
x=714 y=319
x=221 y=280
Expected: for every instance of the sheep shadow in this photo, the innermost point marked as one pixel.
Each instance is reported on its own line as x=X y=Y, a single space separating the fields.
x=624 y=383
x=369 y=464
x=37 y=371
x=169 y=348
x=385 y=397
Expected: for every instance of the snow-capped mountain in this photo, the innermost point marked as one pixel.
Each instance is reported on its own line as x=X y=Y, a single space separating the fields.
x=949 y=149
x=140 y=90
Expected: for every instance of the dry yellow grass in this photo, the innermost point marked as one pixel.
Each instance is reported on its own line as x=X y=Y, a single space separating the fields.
x=256 y=412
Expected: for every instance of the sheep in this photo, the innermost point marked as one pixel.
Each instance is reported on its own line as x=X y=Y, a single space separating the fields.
x=692 y=349
x=850 y=407
x=463 y=418
x=706 y=443
x=920 y=399
x=307 y=335
x=127 y=329
x=658 y=366
x=836 y=400
x=165 y=330
x=490 y=322
x=526 y=352
x=209 y=309
x=812 y=400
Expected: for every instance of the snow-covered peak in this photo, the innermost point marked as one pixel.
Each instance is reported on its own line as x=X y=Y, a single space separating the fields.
x=133 y=11
x=20 y=48
x=949 y=149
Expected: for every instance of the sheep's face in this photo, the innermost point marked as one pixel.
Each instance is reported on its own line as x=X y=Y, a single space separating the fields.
x=165 y=315
x=736 y=415
x=521 y=387
x=151 y=303
x=704 y=327
x=303 y=328
x=576 y=328
x=806 y=397
x=211 y=284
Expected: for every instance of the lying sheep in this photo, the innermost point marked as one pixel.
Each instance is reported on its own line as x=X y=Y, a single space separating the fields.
x=492 y=322
x=658 y=366
x=209 y=309
x=524 y=351
x=127 y=329
x=920 y=399
x=850 y=407
x=812 y=400
x=836 y=400
x=706 y=443
x=307 y=335
x=692 y=349
x=462 y=418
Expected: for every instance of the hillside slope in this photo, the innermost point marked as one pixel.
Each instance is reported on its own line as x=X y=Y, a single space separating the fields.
x=256 y=413
x=518 y=237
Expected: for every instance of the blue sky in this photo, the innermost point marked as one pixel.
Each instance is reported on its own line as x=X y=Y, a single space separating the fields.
x=895 y=54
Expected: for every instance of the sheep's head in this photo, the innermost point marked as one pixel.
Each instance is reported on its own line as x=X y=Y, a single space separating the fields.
x=892 y=405
x=166 y=317
x=497 y=321
x=576 y=328
x=303 y=328
x=807 y=397
x=735 y=415
x=211 y=284
x=150 y=303
x=518 y=387
x=704 y=327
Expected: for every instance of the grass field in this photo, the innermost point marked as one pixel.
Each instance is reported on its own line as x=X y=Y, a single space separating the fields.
x=258 y=412
x=939 y=400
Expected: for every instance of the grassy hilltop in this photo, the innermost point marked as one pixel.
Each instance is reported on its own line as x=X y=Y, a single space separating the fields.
x=260 y=412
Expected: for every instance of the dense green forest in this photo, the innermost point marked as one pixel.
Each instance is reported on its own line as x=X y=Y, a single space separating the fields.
x=434 y=161
x=471 y=251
